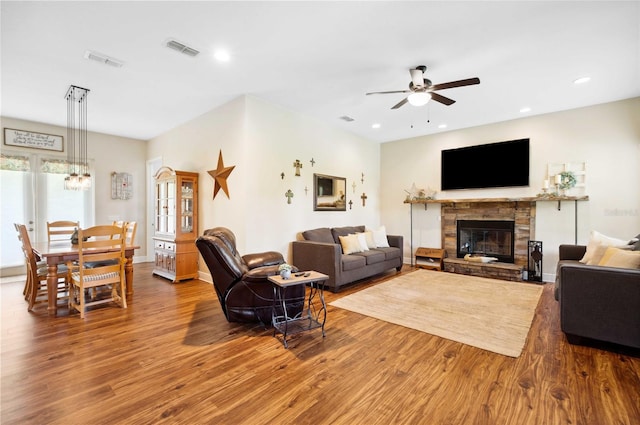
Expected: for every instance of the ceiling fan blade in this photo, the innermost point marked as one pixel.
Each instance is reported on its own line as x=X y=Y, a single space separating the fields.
x=389 y=92
x=452 y=84
x=399 y=104
x=444 y=100
x=417 y=77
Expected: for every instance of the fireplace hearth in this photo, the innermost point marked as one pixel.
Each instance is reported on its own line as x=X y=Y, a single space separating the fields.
x=489 y=238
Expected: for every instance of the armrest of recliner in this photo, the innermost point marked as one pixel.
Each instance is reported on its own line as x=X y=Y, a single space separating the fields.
x=261 y=259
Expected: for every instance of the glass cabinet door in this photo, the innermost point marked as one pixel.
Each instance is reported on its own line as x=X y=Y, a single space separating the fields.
x=171 y=207
x=186 y=219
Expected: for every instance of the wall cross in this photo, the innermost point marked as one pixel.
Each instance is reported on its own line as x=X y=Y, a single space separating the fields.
x=298 y=166
x=364 y=198
x=289 y=195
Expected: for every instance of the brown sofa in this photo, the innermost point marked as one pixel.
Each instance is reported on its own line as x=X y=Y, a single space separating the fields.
x=321 y=251
x=597 y=302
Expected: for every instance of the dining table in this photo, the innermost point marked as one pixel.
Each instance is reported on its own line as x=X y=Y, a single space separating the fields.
x=60 y=252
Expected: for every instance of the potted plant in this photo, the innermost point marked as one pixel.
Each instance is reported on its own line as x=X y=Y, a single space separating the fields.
x=285 y=270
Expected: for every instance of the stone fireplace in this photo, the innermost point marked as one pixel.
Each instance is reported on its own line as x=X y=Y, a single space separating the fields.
x=520 y=215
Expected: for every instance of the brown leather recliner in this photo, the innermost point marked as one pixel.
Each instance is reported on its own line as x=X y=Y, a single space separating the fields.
x=241 y=282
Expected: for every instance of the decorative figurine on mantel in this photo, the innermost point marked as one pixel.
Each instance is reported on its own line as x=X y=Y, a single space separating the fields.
x=415 y=194
x=298 y=165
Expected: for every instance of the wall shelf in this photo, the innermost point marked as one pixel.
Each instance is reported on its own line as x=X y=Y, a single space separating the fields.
x=531 y=199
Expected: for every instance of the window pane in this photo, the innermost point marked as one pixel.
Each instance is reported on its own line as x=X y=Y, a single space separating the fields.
x=64 y=204
x=12 y=187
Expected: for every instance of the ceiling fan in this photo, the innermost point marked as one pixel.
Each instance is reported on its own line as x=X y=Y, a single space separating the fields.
x=422 y=90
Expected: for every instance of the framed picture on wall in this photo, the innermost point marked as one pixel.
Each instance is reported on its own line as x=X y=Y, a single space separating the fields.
x=32 y=139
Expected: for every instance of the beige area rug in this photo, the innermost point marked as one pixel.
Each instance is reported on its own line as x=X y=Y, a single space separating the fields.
x=491 y=314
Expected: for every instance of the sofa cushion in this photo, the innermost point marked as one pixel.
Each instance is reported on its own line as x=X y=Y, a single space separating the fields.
x=344 y=231
x=380 y=237
x=390 y=253
x=596 y=239
x=322 y=234
x=368 y=235
x=372 y=256
x=614 y=257
x=352 y=262
x=350 y=244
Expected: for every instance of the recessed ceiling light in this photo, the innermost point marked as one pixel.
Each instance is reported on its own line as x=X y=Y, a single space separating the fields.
x=442 y=126
x=525 y=109
x=582 y=80
x=222 y=56
x=376 y=125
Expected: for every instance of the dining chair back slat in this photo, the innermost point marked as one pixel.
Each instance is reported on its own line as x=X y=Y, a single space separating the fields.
x=61 y=230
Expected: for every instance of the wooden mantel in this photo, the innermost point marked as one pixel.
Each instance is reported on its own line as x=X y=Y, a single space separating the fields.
x=476 y=200
x=519 y=209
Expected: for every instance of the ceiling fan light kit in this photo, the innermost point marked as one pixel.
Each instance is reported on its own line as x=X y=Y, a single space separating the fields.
x=419 y=98
x=421 y=90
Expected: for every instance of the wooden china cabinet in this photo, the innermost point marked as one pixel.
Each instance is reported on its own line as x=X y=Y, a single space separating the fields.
x=176 y=224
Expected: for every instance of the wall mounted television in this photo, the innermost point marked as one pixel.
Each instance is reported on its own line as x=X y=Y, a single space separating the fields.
x=502 y=164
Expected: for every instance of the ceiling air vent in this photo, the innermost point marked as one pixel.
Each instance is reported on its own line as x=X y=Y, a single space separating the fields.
x=182 y=48
x=346 y=118
x=99 y=57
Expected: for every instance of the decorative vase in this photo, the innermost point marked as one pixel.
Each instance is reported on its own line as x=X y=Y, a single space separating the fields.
x=285 y=274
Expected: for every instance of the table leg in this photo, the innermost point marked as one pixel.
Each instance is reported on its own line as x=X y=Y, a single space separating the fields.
x=128 y=275
x=52 y=289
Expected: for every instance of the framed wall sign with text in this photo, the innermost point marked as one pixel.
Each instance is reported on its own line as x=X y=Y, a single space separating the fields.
x=32 y=139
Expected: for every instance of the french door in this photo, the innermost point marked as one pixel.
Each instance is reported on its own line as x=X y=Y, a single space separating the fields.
x=32 y=192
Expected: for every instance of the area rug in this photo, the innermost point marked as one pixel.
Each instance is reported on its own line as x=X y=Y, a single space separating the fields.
x=491 y=314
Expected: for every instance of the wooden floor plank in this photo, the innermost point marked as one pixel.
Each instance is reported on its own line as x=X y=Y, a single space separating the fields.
x=171 y=357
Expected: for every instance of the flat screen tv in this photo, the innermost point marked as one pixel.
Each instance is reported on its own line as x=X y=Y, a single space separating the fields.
x=503 y=164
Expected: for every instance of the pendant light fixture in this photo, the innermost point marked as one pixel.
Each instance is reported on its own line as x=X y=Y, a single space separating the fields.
x=79 y=177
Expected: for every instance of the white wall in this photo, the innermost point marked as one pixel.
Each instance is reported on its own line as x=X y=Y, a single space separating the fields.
x=606 y=137
x=108 y=153
x=262 y=141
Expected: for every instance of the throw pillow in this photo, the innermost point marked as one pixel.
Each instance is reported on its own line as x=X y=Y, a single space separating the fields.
x=614 y=257
x=362 y=239
x=598 y=238
x=371 y=243
x=597 y=254
x=380 y=237
x=350 y=244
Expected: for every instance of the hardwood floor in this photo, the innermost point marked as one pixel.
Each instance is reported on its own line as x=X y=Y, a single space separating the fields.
x=171 y=357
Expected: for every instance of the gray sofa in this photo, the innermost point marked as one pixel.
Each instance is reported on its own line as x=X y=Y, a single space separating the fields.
x=321 y=251
x=597 y=302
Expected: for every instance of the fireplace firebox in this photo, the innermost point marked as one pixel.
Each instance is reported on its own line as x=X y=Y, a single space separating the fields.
x=490 y=238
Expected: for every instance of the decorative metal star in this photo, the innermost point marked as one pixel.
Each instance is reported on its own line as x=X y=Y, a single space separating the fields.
x=220 y=176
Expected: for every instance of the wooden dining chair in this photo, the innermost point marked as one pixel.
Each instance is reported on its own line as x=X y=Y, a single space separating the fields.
x=130 y=232
x=61 y=230
x=35 y=290
x=107 y=269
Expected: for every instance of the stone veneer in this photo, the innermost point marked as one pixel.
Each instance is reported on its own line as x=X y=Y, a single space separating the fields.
x=523 y=213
